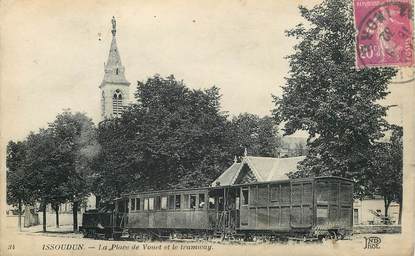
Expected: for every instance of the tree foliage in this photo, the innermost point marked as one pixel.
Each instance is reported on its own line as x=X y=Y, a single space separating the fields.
x=76 y=148
x=384 y=176
x=18 y=181
x=258 y=135
x=328 y=97
x=52 y=166
x=174 y=137
x=43 y=163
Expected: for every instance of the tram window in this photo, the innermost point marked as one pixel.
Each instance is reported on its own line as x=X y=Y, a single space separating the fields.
x=201 y=200
x=151 y=203
x=171 y=201
x=245 y=196
x=186 y=201
x=132 y=204
x=220 y=203
x=192 y=202
x=177 y=202
x=137 y=204
x=145 y=204
x=212 y=203
x=157 y=203
x=164 y=202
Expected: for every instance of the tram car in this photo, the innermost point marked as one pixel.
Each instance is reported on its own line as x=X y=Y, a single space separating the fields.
x=249 y=209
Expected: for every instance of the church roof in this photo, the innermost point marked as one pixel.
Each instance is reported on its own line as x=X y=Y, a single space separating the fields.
x=263 y=168
x=114 y=70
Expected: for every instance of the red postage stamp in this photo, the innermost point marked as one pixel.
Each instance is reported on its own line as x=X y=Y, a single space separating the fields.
x=384 y=33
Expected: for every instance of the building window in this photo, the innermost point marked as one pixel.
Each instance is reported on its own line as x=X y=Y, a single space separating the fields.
x=201 y=200
x=117 y=103
x=116 y=71
x=355 y=216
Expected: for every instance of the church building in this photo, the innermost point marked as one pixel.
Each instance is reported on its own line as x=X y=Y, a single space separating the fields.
x=114 y=87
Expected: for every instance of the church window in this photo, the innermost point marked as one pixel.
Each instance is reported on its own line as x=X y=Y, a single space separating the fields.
x=117 y=104
x=116 y=71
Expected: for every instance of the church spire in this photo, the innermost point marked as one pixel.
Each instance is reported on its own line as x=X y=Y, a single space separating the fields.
x=114 y=86
x=114 y=26
x=114 y=70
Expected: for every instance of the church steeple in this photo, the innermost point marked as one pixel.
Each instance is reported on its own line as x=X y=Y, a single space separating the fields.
x=114 y=70
x=114 y=85
x=114 y=26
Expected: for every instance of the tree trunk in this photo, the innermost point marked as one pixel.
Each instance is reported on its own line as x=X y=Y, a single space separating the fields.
x=75 y=215
x=387 y=202
x=44 y=217
x=20 y=214
x=56 y=208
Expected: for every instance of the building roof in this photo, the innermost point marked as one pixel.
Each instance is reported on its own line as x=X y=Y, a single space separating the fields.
x=290 y=142
x=263 y=168
x=114 y=70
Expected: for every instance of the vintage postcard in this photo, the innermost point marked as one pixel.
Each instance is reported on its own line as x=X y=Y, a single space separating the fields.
x=234 y=127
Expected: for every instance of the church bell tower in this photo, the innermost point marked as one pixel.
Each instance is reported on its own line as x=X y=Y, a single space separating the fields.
x=114 y=87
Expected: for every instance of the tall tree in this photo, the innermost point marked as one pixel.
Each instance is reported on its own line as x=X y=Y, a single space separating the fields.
x=19 y=186
x=328 y=97
x=184 y=131
x=43 y=170
x=76 y=136
x=385 y=169
x=115 y=168
x=172 y=137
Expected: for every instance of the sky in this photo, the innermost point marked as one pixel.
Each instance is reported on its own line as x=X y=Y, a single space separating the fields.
x=53 y=53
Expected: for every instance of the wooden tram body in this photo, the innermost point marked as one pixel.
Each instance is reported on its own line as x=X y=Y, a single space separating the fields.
x=308 y=207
